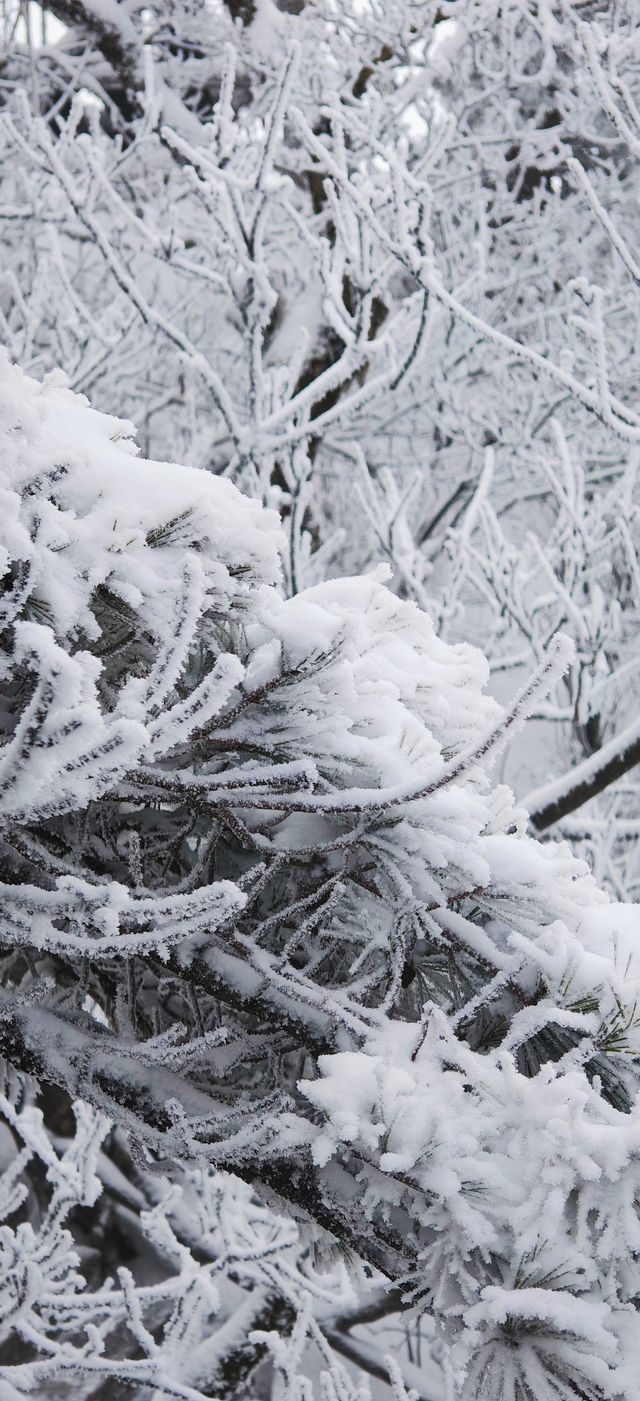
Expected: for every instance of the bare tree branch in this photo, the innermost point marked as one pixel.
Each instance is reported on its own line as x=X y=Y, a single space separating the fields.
x=549 y=803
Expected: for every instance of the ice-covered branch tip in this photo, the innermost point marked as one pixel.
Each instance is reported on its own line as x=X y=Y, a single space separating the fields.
x=559 y=657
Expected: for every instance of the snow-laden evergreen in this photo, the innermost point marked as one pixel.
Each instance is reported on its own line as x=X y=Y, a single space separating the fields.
x=265 y=912
x=377 y=261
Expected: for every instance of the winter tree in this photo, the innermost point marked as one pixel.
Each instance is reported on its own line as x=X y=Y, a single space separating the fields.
x=371 y=254
x=284 y=977
x=378 y=266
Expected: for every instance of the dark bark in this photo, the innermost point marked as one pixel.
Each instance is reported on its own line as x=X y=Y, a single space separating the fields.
x=118 y=44
x=583 y=790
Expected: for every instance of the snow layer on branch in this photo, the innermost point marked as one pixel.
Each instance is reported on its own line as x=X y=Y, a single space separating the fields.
x=499 y=1161
x=83 y=513
x=171 y=716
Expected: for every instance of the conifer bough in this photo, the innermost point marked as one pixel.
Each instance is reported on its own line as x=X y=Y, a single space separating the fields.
x=265 y=913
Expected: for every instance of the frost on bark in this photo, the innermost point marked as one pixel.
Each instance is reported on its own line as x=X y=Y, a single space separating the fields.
x=312 y=990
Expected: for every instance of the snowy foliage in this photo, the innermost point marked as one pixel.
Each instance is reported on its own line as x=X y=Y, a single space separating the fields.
x=265 y=914
x=370 y=256
x=319 y=1000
